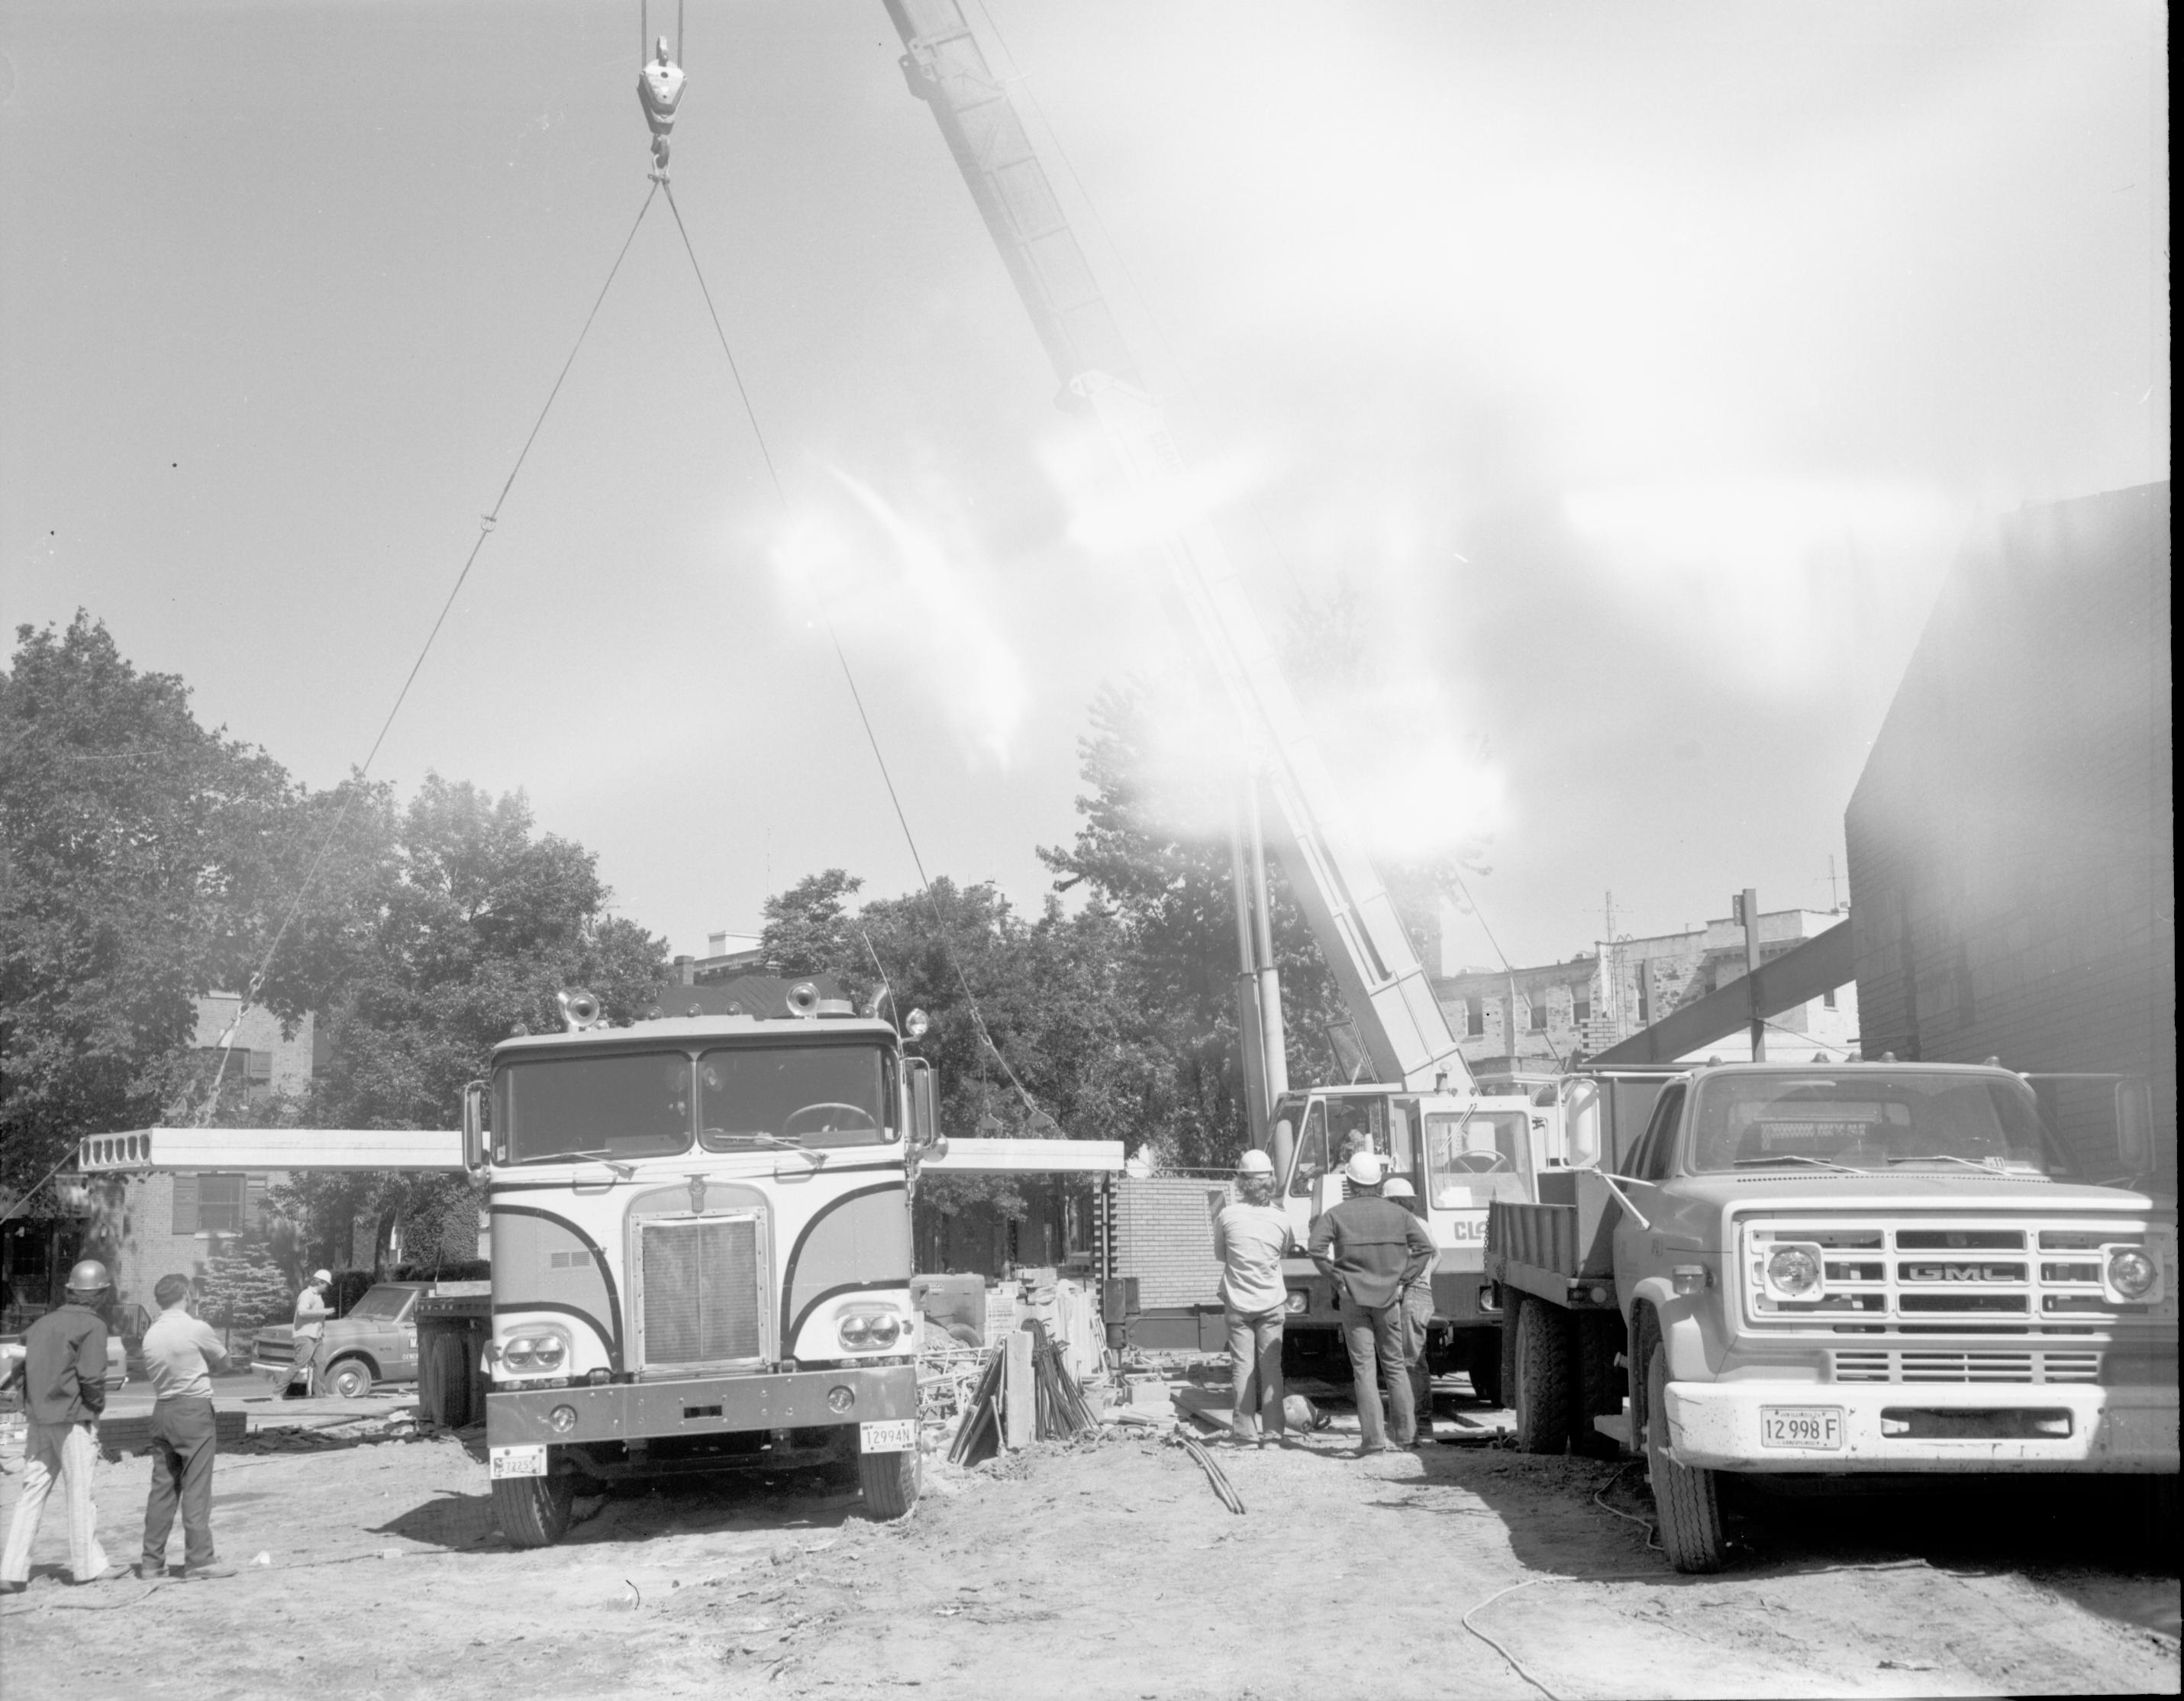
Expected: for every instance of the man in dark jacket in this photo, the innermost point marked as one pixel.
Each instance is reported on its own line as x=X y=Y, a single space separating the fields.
x=64 y=1374
x=1374 y=1248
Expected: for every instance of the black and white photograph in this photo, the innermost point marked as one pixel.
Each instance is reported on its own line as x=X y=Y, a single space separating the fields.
x=1127 y=852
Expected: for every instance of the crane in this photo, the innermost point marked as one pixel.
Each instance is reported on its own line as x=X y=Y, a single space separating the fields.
x=1404 y=1035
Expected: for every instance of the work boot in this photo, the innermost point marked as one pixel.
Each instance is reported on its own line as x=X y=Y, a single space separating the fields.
x=211 y=1567
x=11 y=1587
x=107 y=1575
x=151 y=1570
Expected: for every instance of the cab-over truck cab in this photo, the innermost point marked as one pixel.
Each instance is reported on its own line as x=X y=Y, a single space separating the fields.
x=701 y=1251
x=1850 y=1268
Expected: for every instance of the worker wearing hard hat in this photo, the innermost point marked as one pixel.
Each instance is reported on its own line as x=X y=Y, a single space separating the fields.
x=310 y=1327
x=1251 y=1236
x=1418 y=1311
x=1373 y=1248
x=64 y=1375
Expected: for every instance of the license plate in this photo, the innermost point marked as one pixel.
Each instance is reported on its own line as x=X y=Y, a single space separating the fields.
x=518 y=1461
x=890 y=1434
x=1817 y=1426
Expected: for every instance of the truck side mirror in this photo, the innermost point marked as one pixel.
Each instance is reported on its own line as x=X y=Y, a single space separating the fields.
x=474 y=1127
x=1581 y=1124
x=2133 y=1122
x=926 y=1139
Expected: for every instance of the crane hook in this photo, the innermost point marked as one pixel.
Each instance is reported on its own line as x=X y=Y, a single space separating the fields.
x=660 y=90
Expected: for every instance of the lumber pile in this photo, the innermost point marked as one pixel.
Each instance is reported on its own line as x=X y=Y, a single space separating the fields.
x=1026 y=1394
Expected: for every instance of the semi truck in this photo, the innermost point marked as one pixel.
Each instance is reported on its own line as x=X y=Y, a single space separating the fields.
x=701 y=1248
x=1833 y=1270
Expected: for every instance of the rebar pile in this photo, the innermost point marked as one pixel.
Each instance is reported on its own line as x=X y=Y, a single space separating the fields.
x=1059 y=1407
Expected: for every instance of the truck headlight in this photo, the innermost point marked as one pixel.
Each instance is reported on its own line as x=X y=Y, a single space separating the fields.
x=2132 y=1274
x=1794 y=1272
x=868 y=1329
x=1297 y=1300
x=535 y=1352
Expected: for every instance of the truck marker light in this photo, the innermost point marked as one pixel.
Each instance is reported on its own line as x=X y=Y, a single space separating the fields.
x=1296 y=1300
x=563 y=1418
x=841 y=1397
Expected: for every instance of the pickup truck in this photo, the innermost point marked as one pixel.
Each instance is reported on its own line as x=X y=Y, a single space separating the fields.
x=375 y=1340
x=1807 y=1271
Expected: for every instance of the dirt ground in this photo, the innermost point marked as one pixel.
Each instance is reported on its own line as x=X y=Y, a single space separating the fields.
x=1106 y=1568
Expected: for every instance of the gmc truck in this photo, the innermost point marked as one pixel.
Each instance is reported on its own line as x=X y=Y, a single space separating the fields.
x=701 y=1250
x=1829 y=1269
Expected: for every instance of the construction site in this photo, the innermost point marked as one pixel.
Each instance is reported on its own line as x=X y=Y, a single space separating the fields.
x=1590 y=1110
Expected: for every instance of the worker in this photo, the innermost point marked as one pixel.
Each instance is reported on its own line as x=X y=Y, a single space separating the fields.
x=310 y=1327
x=62 y=1371
x=659 y=90
x=1418 y=1310
x=1372 y=1247
x=1251 y=1236
x=180 y=1355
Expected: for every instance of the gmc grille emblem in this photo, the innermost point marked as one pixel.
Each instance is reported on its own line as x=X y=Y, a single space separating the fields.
x=1965 y=1273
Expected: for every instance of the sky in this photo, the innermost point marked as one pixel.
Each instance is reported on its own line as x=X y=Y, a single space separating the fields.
x=1638 y=369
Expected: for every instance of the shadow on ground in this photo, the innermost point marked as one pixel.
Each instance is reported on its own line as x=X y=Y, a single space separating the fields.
x=641 y=1510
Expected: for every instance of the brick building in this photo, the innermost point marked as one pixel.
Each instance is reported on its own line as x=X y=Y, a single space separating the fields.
x=1565 y=1012
x=2012 y=847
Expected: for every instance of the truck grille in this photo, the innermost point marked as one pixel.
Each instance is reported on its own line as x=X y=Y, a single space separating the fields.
x=1940 y=1277
x=1888 y=1364
x=704 y=1301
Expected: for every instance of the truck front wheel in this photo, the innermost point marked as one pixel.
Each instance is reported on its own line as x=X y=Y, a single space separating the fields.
x=888 y=1482
x=444 y=1389
x=350 y=1380
x=1684 y=1496
x=1543 y=1395
x=533 y=1511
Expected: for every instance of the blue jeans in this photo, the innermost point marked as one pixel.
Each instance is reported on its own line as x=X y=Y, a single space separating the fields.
x=1254 y=1372
x=1375 y=1336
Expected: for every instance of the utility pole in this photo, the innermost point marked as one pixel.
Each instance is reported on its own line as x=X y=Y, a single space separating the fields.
x=1747 y=909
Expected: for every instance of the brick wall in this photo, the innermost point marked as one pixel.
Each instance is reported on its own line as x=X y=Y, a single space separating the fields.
x=1164 y=1237
x=2011 y=844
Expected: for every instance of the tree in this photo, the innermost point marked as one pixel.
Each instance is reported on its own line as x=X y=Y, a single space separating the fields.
x=461 y=933
x=137 y=851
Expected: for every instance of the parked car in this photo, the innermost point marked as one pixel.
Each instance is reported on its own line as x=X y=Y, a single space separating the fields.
x=375 y=1340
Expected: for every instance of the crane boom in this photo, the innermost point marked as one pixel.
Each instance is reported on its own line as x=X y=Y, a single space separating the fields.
x=1398 y=1020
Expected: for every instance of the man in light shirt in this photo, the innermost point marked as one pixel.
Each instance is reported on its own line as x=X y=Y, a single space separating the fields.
x=180 y=1353
x=310 y=1327
x=1251 y=1236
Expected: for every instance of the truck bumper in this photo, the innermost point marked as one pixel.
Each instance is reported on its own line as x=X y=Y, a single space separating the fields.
x=702 y=1405
x=1929 y=1427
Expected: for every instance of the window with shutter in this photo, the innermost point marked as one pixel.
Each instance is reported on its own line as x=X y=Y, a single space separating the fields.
x=220 y=1204
x=255 y=1205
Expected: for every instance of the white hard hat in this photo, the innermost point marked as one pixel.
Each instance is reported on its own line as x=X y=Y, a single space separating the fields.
x=1398 y=1188
x=1255 y=1162
x=1364 y=1169
x=325 y=1276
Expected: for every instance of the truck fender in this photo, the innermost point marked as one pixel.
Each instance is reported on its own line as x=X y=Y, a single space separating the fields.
x=1690 y=1325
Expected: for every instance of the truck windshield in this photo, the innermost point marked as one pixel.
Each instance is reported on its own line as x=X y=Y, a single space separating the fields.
x=1896 y=1121
x=384 y=1302
x=792 y=1096
x=629 y=1104
x=1475 y=1157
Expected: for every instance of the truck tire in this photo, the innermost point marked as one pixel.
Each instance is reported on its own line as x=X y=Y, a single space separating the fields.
x=1483 y=1359
x=533 y=1511
x=888 y=1482
x=350 y=1380
x=1542 y=1398
x=444 y=1389
x=1597 y=1384
x=1685 y=1499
